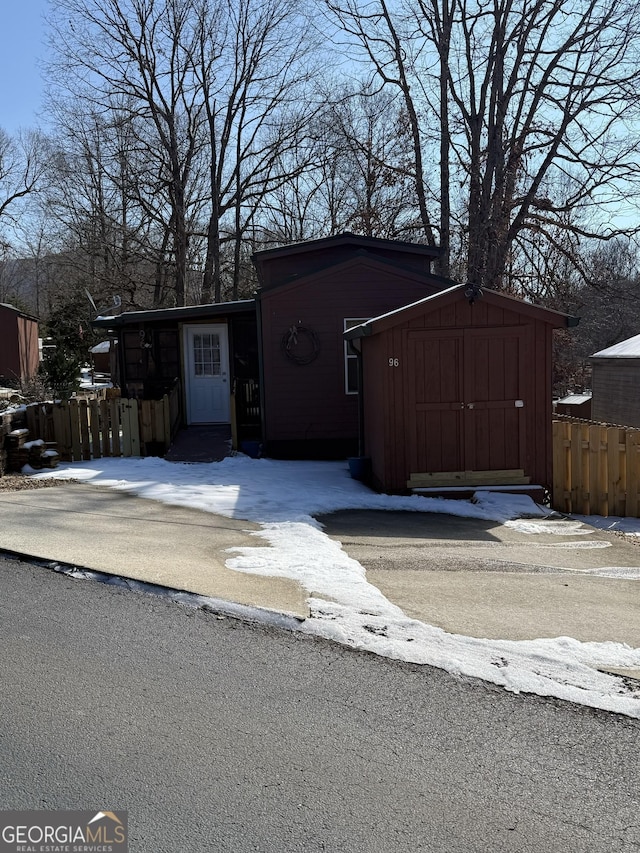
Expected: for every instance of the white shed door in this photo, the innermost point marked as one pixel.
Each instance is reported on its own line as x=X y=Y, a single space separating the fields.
x=207 y=374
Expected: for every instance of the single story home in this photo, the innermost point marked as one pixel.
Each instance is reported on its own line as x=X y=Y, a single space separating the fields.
x=277 y=367
x=352 y=346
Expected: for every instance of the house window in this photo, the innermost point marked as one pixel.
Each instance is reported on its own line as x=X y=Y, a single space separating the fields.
x=206 y=355
x=350 y=358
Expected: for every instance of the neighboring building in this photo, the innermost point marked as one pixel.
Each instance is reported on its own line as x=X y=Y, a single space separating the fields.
x=615 y=384
x=455 y=384
x=103 y=357
x=19 y=354
x=574 y=406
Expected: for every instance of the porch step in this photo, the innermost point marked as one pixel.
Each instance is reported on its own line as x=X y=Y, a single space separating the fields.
x=468 y=479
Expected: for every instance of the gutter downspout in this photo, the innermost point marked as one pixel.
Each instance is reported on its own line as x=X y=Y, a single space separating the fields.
x=357 y=349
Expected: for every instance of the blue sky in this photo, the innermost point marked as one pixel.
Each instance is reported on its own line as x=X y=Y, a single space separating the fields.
x=21 y=46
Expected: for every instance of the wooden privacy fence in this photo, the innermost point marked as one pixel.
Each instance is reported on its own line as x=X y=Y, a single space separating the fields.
x=596 y=469
x=91 y=429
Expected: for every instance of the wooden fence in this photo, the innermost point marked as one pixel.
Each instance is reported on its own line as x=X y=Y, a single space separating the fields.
x=596 y=469
x=90 y=429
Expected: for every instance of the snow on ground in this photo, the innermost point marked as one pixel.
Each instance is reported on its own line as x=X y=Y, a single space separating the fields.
x=284 y=497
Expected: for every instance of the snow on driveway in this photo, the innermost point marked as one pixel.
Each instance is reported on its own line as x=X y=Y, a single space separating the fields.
x=284 y=497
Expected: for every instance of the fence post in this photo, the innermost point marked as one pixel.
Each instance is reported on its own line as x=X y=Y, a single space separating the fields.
x=632 y=444
x=166 y=412
x=94 y=421
x=561 y=455
x=83 y=413
x=615 y=490
x=114 y=415
x=74 y=422
x=130 y=430
x=596 y=501
x=145 y=415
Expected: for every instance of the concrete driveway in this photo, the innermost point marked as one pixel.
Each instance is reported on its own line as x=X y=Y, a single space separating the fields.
x=113 y=532
x=466 y=576
x=484 y=579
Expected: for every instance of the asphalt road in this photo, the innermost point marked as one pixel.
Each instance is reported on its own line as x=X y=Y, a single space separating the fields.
x=217 y=735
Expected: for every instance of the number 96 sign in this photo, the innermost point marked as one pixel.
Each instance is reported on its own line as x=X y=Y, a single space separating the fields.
x=394 y=362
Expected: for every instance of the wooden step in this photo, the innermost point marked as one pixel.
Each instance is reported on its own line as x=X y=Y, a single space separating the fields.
x=445 y=479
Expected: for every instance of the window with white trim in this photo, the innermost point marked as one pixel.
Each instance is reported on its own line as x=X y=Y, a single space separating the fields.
x=350 y=358
x=206 y=354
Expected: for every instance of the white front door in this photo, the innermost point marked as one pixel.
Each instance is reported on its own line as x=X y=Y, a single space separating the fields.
x=207 y=374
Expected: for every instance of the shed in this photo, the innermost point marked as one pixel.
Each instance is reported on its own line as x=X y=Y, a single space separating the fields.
x=103 y=357
x=574 y=406
x=615 y=383
x=309 y=294
x=19 y=354
x=456 y=391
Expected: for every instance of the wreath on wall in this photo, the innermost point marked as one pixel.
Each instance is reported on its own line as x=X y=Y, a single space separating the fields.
x=300 y=344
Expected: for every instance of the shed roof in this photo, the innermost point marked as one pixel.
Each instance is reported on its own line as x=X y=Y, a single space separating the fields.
x=179 y=315
x=625 y=349
x=437 y=300
x=17 y=311
x=574 y=399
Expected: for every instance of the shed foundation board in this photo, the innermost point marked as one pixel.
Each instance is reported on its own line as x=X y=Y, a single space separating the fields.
x=439 y=479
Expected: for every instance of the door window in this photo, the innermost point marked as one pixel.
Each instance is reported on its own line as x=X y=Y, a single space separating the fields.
x=206 y=354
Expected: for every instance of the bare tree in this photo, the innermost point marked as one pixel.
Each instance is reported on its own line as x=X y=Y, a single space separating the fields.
x=354 y=173
x=137 y=54
x=509 y=98
x=373 y=147
x=210 y=95
x=386 y=41
x=253 y=67
x=23 y=161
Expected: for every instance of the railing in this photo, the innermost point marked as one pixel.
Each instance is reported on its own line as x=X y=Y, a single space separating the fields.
x=245 y=417
x=90 y=429
x=596 y=469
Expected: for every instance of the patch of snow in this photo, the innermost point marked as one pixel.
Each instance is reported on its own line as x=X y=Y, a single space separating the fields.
x=629 y=573
x=559 y=528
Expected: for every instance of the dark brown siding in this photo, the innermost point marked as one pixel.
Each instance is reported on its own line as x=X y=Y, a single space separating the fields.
x=19 y=357
x=151 y=356
x=308 y=402
x=299 y=260
x=151 y=359
x=616 y=391
x=9 y=348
